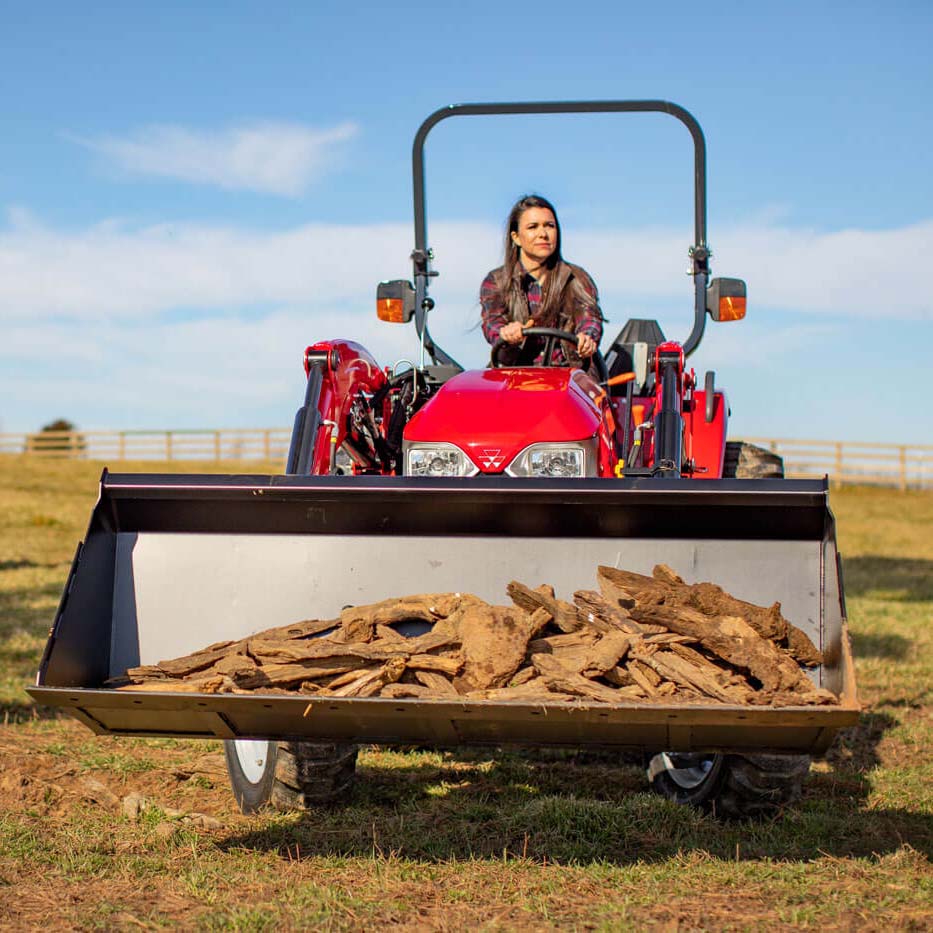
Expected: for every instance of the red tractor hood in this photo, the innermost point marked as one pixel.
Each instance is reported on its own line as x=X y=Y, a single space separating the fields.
x=493 y=414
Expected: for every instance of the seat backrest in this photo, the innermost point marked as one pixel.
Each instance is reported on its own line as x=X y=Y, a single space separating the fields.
x=633 y=351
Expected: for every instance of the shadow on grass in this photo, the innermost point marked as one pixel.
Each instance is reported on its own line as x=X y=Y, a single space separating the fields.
x=460 y=808
x=14 y=712
x=903 y=579
x=888 y=645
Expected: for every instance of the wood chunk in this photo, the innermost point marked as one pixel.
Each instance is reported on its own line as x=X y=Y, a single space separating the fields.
x=606 y=653
x=428 y=607
x=667 y=587
x=637 y=673
x=284 y=675
x=564 y=614
x=400 y=691
x=386 y=633
x=600 y=612
x=664 y=574
x=435 y=662
x=304 y=629
x=559 y=679
x=735 y=641
x=674 y=668
x=190 y=663
x=620 y=587
x=439 y=685
x=523 y=676
x=493 y=640
x=235 y=665
x=620 y=677
x=371 y=682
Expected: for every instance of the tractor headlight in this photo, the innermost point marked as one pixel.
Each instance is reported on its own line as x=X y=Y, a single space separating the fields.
x=553 y=461
x=437 y=460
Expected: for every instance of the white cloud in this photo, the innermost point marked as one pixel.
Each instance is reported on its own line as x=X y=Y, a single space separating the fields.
x=115 y=271
x=273 y=158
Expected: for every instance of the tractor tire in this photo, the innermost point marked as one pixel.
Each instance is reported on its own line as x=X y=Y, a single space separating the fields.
x=731 y=787
x=288 y=775
x=746 y=461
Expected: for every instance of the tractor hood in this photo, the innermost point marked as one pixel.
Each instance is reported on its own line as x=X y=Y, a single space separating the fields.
x=494 y=414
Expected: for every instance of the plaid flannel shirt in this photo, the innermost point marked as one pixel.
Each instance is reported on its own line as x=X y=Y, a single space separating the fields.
x=495 y=315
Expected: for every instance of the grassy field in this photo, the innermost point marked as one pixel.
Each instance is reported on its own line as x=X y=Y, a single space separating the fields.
x=105 y=833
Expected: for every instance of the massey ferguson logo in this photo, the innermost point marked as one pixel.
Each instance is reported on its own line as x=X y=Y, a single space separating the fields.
x=491 y=459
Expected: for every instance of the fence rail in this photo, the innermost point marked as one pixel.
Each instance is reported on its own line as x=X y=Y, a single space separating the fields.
x=846 y=462
x=222 y=444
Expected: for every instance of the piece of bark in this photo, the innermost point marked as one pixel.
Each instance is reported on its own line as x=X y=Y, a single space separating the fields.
x=386 y=633
x=606 y=653
x=371 y=682
x=620 y=677
x=342 y=679
x=535 y=690
x=438 y=683
x=284 y=675
x=307 y=628
x=736 y=642
x=674 y=668
x=666 y=586
x=493 y=642
x=435 y=662
x=578 y=639
x=235 y=665
x=522 y=676
x=188 y=664
x=591 y=603
x=400 y=691
x=571 y=649
x=561 y=680
x=564 y=615
x=427 y=607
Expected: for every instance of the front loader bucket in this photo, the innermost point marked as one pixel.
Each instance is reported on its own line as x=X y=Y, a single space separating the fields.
x=172 y=563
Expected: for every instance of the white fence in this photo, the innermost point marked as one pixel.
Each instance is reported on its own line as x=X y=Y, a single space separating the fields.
x=902 y=465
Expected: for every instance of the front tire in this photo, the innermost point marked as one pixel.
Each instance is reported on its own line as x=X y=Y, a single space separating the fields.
x=287 y=775
x=733 y=787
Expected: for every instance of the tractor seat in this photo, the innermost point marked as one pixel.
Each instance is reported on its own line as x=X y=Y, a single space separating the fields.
x=633 y=350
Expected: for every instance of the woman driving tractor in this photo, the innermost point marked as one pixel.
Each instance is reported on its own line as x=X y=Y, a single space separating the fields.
x=535 y=287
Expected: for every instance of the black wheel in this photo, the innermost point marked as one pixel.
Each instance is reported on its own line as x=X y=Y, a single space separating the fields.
x=288 y=775
x=746 y=461
x=733 y=787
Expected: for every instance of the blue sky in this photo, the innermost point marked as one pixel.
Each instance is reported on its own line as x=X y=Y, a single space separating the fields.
x=189 y=197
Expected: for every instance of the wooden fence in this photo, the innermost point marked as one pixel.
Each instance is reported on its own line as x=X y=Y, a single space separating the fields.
x=906 y=466
x=224 y=444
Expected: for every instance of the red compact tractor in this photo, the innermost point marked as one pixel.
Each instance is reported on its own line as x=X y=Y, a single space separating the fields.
x=439 y=479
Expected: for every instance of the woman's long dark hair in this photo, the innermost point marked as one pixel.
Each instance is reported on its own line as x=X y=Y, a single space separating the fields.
x=563 y=298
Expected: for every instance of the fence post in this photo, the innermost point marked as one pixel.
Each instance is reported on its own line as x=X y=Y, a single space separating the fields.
x=217 y=445
x=122 y=446
x=168 y=445
x=266 y=445
x=902 y=451
x=838 y=467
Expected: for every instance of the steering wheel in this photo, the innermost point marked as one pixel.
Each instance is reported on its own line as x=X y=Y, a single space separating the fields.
x=551 y=335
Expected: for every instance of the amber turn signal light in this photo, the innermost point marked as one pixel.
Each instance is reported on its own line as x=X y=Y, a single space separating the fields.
x=731 y=308
x=391 y=310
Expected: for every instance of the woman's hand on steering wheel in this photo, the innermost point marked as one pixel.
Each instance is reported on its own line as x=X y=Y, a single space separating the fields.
x=514 y=332
x=586 y=345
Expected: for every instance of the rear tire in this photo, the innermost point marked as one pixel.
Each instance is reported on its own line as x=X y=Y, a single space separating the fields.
x=732 y=787
x=288 y=775
x=746 y=461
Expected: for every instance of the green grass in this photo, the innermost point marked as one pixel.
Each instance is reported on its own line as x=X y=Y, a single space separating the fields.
x=472 y=838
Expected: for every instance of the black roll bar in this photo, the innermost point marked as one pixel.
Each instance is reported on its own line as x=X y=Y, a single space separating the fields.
x=422 y=255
